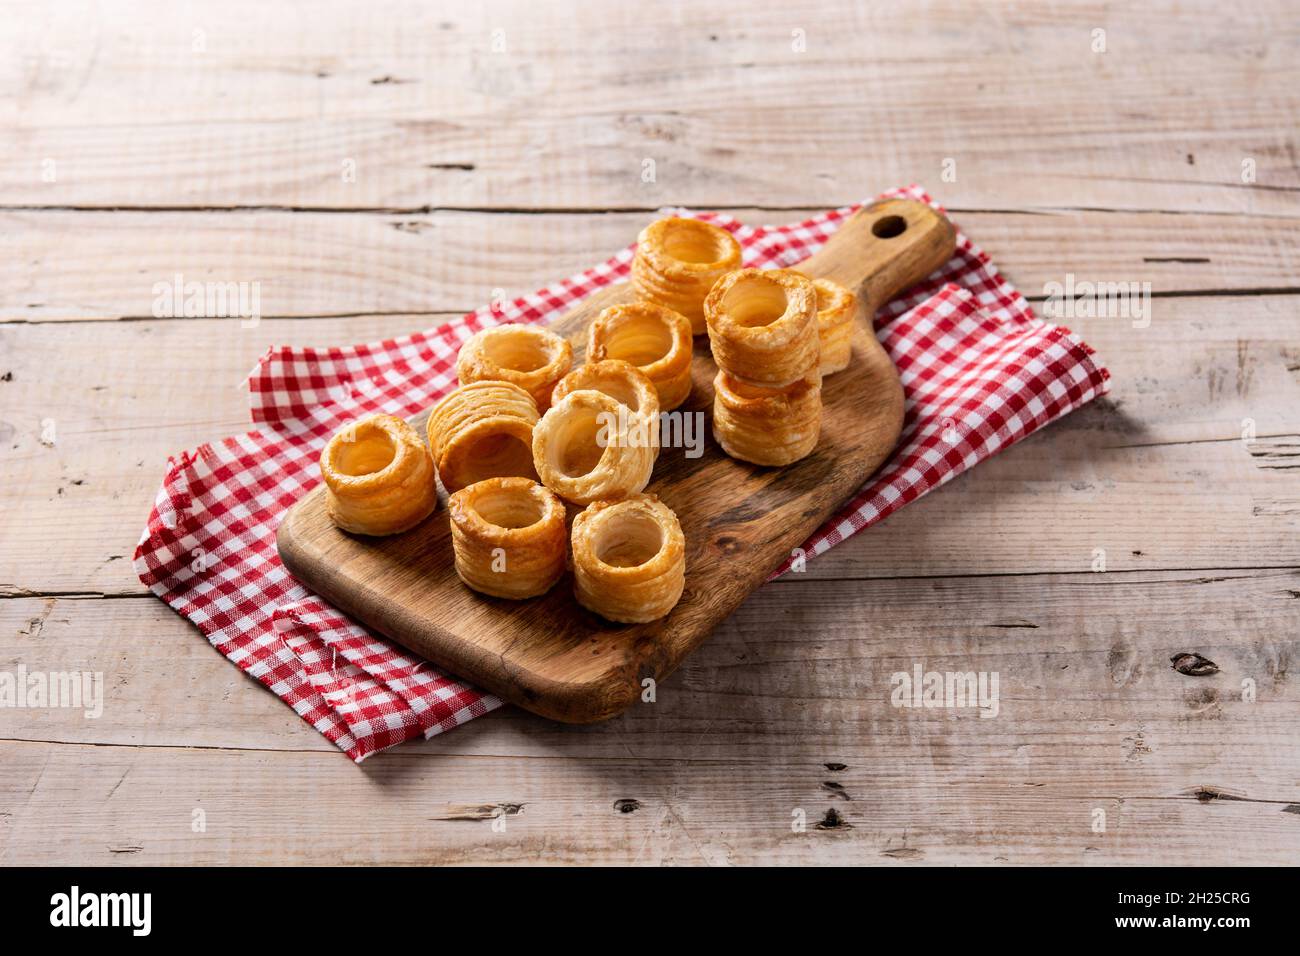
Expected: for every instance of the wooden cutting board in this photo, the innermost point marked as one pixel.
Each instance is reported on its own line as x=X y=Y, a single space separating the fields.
x=741 y=521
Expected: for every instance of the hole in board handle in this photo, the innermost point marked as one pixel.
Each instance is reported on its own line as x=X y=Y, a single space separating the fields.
x=889 y=227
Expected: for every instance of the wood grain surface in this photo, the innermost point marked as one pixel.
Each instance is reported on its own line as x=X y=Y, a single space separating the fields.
x=741 y=521
x=210 y=138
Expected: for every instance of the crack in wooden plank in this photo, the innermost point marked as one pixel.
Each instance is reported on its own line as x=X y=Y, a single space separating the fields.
x=429 y=209
x=1198 y=441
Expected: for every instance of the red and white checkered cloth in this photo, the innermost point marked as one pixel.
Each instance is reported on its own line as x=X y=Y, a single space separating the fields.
x=980 y=372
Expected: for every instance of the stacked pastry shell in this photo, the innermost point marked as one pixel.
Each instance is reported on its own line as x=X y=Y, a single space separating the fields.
x=677 y=262
x=767 y=406
x=838 y=310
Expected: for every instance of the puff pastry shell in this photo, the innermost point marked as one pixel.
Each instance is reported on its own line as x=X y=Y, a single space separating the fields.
x=767 y=426
x=629 y=559
x=483 y=430
x=678 y=260
x=837 y=312
x=652 y=337
x=525 y=355
x=508 y=537
x=763 y=326
x=379 y=477
x=625 y=384
x=585 y=450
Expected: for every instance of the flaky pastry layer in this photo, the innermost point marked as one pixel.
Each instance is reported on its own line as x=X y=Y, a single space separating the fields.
x=767 y=426
x=585 y=450
x=379 y=477
x=763 y=326
x=837 y=312
x=652 y=337
x=678 y=260
x=629 y=559
x=532 y=358
x=508 y=537
x=483 y=430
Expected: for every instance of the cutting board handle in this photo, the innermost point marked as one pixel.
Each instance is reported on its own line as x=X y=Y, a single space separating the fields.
x=884 y=248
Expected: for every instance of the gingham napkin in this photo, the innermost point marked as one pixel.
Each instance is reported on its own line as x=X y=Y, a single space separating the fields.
x=980 y=372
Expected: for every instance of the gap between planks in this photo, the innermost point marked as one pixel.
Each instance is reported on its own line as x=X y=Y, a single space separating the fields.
x=11 y=592
x=429 y=210
x=454 y=312
x=1202 y=794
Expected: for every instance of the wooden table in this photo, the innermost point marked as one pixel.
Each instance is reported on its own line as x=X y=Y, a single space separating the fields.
x=382 y=167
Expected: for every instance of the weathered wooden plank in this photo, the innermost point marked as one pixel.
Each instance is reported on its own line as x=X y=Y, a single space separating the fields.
x=1129 y=474
x=114 y=412
x=808 y=662
x=1091 y=715
x=66 y=265
x=262 y=107
x=140 y=806
x=162 y=683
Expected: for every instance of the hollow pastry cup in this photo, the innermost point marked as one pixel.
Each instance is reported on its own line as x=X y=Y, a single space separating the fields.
x=379 y=477
x=525 y=355
x=585 y=450
x=767 y=426
x=652 y=337
x=837 y=310
x=677 y=262
x=508 y=537
x=483 y=430
x=625 y=384
x=629 y=559
x=763 y=326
